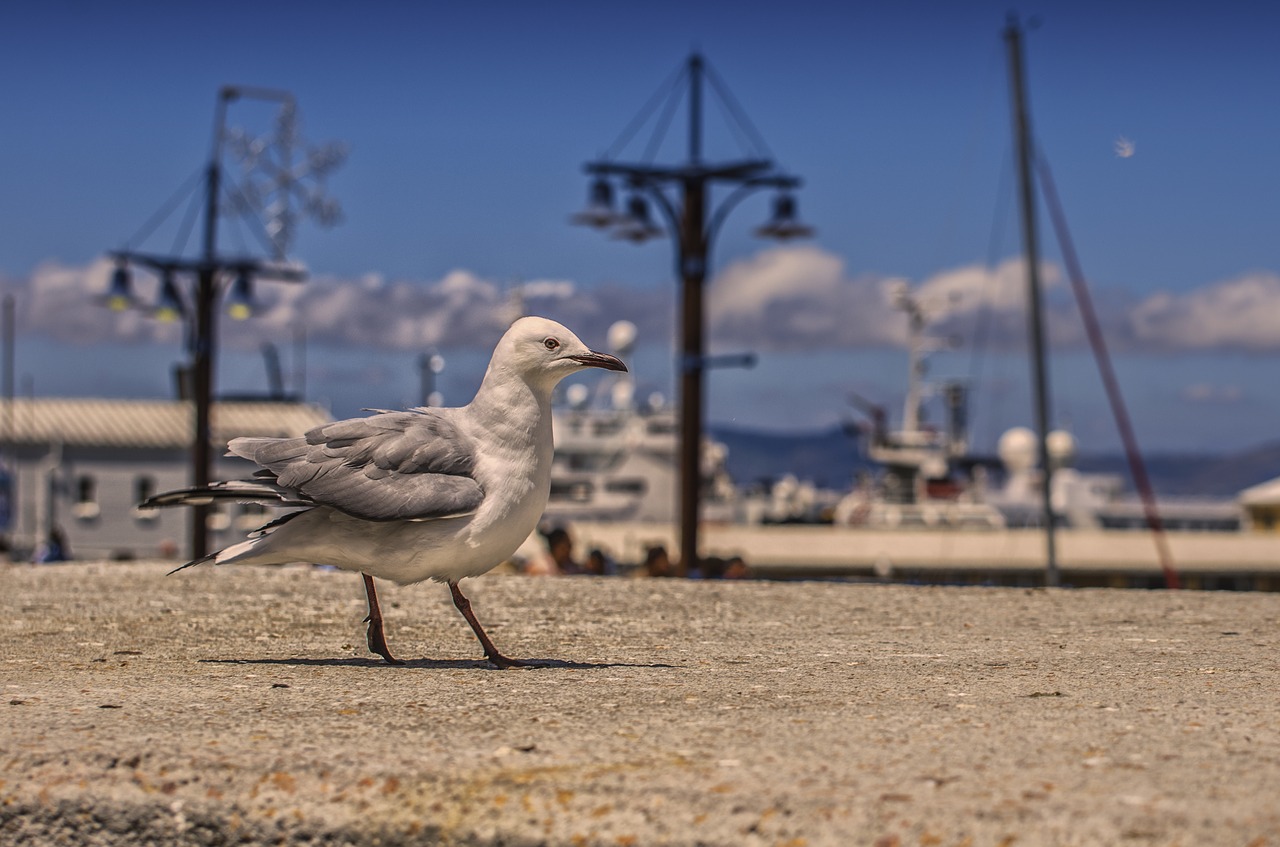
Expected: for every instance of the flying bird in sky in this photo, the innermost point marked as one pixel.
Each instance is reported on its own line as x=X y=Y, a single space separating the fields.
x=427 y=493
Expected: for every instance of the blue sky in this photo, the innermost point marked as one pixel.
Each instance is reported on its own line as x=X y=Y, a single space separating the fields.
x=468 y=125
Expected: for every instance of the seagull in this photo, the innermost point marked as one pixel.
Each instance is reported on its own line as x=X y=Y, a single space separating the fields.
x=427 y=493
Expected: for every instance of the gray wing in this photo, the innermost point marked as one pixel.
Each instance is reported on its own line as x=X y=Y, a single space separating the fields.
x=388 y=467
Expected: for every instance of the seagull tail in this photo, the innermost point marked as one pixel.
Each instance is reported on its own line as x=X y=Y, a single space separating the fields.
x=242 y=551
x=239 y=490
x=234 y=553
x=211 y=557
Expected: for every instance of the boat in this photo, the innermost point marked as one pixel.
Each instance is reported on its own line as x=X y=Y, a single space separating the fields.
x=935 y=511
x=930 y=480
x=614 y=483
x=615 y=458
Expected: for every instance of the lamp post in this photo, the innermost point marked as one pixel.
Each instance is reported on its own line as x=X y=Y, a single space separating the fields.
x=211 y=275
x=683 y=194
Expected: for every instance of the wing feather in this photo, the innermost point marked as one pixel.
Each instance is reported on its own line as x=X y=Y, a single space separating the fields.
x=390 y=466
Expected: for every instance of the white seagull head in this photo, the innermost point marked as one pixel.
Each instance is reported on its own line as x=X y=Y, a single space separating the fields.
x=542 y=352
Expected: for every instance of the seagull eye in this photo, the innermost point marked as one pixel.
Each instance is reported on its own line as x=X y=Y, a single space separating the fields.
x=551 y=344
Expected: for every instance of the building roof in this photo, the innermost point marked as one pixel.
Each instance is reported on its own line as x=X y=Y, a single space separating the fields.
x=164 y=424
x=1262 y=494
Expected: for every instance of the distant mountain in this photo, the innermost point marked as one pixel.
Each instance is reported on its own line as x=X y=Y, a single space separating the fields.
x=830 y=458
x=1203 y=474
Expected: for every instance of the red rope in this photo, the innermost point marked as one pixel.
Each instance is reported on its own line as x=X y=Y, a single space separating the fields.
x=1094 y=330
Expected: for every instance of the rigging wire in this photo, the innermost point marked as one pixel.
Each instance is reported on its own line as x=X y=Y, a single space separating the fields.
x=664 y=102
x=662 y=124
x=739 y=114
x=642 y=117
x=738 y=134
x=1137 y=467
x=188 y=223
x=995 y=243
x=166 y=209
x=977 y=139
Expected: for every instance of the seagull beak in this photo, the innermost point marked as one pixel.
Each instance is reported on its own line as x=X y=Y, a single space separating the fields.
x=592 y=359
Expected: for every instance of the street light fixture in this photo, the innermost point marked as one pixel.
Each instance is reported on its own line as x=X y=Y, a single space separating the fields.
x=599 y=212
x=636 y=226
x=240 y=301
x=169 y=307
x=784 y=226
x=683 y=194
x=120 y=295
x=211 y=274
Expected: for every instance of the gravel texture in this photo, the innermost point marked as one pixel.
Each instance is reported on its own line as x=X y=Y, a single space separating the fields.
x=239 y=706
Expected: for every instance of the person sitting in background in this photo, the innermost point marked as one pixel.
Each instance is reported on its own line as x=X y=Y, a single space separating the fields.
x=657 y=563
x=54 y=548
x=596 y=563
x=558 y=559
x=736 y=568
x=712 y=568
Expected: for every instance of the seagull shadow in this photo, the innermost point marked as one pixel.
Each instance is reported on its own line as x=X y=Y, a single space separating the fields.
x=437 y=664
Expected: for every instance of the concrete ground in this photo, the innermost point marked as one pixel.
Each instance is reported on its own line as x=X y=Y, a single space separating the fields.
x=239 y=706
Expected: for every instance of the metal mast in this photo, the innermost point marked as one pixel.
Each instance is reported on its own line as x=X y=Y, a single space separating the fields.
x=1022 y=142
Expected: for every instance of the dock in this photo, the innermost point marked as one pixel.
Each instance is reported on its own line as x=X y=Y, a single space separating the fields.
x=1087 y=558
x=228 y=705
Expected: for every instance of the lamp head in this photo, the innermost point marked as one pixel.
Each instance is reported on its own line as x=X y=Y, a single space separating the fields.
x=784 y=224
x=120 y=295
x=599 y=212
x=240 y=303
x=636 y=226
x=169 y=307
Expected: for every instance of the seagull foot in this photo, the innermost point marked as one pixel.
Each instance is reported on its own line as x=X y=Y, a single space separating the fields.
x=376 y=639
x=502 y=662
x=378 y=642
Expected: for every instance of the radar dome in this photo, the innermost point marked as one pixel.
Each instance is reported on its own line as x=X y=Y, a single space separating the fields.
x=1017 y=449
x=1062 y=448
x=577 y=395
x=623 y=394
x=622 y=337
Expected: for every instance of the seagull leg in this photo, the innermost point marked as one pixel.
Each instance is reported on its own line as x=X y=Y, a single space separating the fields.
x=490 y=652
x=377 y=640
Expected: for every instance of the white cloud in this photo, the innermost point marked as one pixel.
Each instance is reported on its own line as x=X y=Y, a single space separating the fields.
x=797 y=298
x=557 y=289
x=783 y=299
x=1234 y=314
x=802 y=298
x=459 y=311
x=968 y=289
x=65 y=303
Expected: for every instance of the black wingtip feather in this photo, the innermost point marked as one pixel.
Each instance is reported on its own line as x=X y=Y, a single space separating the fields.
x=199 y=561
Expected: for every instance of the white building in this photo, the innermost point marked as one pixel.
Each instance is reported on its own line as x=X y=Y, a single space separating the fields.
x=1262 y=503
x=83 y=465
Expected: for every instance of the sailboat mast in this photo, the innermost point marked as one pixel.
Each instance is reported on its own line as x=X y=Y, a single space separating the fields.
x=1022 y=143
